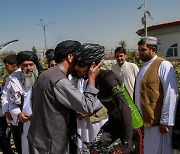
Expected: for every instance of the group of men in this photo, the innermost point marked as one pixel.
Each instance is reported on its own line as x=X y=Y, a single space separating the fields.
x=38 y=102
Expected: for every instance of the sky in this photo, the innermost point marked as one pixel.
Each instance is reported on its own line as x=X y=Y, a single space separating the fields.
x=105 y=22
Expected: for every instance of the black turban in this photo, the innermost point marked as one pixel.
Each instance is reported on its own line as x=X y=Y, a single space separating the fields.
x=28 y=56
x=64 y=48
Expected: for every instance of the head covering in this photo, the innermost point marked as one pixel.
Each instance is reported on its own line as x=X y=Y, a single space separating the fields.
x=149 y=40
x=28 y=56
x=89 y=53
x=64 y=48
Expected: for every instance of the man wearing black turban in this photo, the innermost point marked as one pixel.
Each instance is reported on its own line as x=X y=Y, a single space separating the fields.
x=20 y=93
x=29 y=56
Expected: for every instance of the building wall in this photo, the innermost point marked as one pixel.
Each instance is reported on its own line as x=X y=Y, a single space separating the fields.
x=166 y=41
x=166 y=38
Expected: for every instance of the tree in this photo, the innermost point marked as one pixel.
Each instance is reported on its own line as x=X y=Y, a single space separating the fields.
x=123 y=43
x=34 y=49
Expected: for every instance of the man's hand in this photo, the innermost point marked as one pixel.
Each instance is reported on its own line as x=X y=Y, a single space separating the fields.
x=30 y=117
x=8 y=115
x=93 y=72
x=23 y=117
x=163 y=128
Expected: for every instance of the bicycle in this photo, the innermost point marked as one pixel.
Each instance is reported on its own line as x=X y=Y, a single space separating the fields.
x=95 y=147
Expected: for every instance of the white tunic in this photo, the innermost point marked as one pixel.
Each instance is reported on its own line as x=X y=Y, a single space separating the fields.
x=85 y=128
x=127 y=72
x=4 y=98
x=154 y=141
x=16 y=89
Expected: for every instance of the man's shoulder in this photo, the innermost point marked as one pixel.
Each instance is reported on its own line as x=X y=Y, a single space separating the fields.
x=15 y=75
x=51 y=71
x=132 y=64
x=163 y=62
x=116 y=66
x=166 y=65
x=107 y=77
x=53 y=74
x=106 y=74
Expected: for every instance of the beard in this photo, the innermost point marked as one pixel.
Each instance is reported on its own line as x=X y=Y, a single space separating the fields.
x=29 y=78
x=146 y=58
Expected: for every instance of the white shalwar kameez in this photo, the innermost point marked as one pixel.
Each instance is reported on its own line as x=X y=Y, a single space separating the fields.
x=156 y=142
x=16 y=90
x=85 y=128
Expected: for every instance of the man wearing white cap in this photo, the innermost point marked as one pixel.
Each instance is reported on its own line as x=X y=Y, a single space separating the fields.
x=156 y=97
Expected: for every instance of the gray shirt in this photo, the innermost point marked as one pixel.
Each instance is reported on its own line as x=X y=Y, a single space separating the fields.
x=54 y=96
x=69 y=96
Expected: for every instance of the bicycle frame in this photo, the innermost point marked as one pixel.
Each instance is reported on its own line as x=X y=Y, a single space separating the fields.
x=94 y=147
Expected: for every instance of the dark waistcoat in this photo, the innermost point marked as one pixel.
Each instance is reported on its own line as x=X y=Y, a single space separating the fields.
x=48 y=130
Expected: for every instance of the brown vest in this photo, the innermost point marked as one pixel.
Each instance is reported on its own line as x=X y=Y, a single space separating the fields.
x=151 y=92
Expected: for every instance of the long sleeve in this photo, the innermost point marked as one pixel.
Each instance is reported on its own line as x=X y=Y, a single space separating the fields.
x=169 y=82
x=71 y=97
x=118 y=108
x=14 y=110
x=15 y=90
x=14 y=97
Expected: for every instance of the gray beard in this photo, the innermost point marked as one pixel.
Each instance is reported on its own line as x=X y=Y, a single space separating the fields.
x=29 y=78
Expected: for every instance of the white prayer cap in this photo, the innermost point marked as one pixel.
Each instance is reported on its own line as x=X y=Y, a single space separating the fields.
x=149 y=40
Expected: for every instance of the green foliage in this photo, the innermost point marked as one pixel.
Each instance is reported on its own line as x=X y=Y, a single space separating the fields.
x=3 y=75
x=123 y=43
x=34 y=49
x=108 y=65
x=160 y=54
x=176 y=65
x=44 y=64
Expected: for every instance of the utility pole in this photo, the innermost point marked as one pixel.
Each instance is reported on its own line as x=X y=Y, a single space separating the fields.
x=44 y=31
x=145 y=21
x=144 y=18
